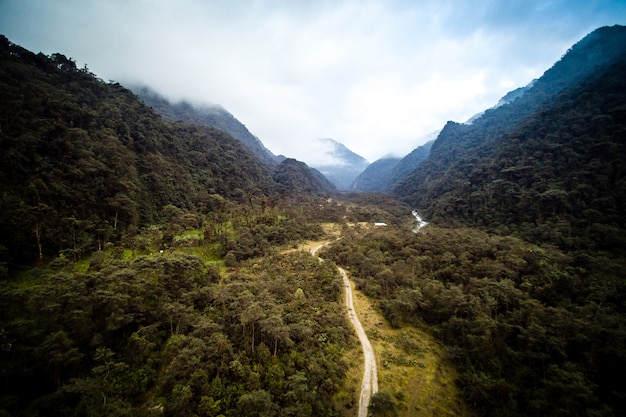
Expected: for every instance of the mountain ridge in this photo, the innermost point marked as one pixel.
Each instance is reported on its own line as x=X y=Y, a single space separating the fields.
x=463 y=160
x=207 y=115
x=83 y=162
x=346 y=165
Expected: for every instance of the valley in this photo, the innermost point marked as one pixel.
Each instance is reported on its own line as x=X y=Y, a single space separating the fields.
x=157 y=260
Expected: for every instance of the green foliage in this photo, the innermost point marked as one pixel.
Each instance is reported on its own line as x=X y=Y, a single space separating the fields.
x=167 y=293
x=207 y=116
x=548 y=166
x=382 y=404
x=83 y=163
x=533 y=330
x=156 y=332
x=296 y=177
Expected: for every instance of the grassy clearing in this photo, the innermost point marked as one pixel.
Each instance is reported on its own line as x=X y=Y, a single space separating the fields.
x=331 y=230
x=411 y=366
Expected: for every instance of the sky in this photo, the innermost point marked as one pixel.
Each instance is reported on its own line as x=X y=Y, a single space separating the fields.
x=377 y=76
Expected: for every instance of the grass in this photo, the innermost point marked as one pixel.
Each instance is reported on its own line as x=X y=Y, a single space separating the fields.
x=411 y=366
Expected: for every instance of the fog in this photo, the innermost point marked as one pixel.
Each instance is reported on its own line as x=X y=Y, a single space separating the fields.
x=374 y=75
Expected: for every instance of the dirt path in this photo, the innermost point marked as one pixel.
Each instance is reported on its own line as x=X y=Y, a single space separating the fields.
x=369 y=386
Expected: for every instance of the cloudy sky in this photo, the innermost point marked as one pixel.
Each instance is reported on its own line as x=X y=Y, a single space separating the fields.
x=374 y=75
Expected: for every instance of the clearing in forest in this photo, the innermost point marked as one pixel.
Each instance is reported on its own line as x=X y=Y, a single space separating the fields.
x=411 y=366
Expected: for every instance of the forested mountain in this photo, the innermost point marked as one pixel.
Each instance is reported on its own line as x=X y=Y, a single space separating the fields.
x=383 y=175
x=346 y=165
x=156 y=268
x=374 y=177
x=125 y=287
x=536 y=325
x=83 y=162
x=208 y=116
x=408 y=164
x=550 y=164
x=296 y=177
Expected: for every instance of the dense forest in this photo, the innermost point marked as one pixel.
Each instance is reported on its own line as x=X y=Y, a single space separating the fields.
x=152 y=267
x=558 y=177
x=549 y=167
x=149 y=267
x=135 y=330
x=533 y=330
x=531 y=307
x=83 y=162
x=207 y=116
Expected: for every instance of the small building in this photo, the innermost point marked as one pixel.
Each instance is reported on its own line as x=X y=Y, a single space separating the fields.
x=379 y=225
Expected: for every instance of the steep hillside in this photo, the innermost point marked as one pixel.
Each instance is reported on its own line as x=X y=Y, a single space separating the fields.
x=208 y=116
x=296 y=177
x=409 y=163
x=83 y=162
x=550 y=166
x=374 y=178
x=383 y=175
x=346 y=165
x=506 y=99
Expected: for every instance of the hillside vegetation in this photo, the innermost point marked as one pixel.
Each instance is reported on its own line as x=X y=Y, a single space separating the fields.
x=152 y=268
x=549 y=167
x=83 y=163
x=207 y=116
x=533 y=331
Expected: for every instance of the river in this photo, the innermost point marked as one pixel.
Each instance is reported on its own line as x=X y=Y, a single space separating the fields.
x=420 y=222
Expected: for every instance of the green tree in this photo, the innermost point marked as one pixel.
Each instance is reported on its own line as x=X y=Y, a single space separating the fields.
x=382 y=404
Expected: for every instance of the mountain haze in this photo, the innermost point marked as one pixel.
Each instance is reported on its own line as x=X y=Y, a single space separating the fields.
x=345 y=166
x=208 y=116
x=374 y=178
x=76 y=148
x=384 y=174
x=155 y=258
x=547 y=161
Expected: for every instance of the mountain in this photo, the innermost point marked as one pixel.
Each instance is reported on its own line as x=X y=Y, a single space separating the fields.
x=296 y=177
x=409 y=163
x=375 y=177
x=548 y=164
x=346 y=165
x=83 y=162
x=383 y=175
x=208 y=116
x=508 y=98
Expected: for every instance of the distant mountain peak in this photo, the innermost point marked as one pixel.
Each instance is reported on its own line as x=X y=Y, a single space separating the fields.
x=339 y=151
x=341 y=165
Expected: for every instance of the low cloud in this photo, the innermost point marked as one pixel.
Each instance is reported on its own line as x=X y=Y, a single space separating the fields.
x=374 y=75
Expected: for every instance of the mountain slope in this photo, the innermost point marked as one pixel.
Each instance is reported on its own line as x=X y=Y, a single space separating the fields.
x=375 y=177
x=346 y=165
x=506 y=99
x=296 y=177
x=555 y=173
x=83 y=162
x=383 y=175
x=408 y=164
x=587 y=57
x=208 y=116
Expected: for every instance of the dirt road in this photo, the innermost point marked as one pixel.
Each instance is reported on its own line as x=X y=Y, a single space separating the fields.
x=369 y=386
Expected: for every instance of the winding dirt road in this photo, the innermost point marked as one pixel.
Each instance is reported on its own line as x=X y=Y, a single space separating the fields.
x=369 y=386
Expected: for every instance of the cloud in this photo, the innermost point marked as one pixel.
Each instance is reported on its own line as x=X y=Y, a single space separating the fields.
x=374 y=75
